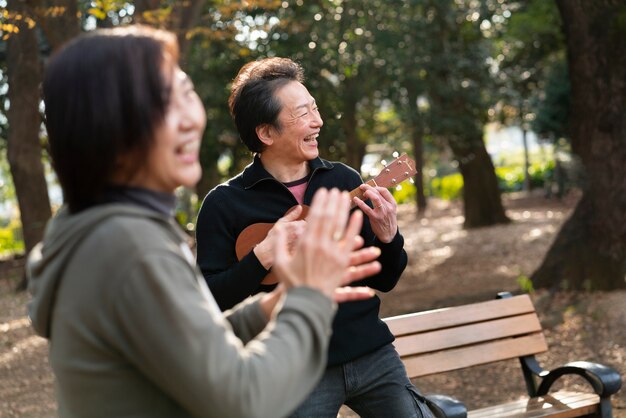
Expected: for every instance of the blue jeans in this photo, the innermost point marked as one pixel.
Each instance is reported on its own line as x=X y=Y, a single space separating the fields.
x=375 y=385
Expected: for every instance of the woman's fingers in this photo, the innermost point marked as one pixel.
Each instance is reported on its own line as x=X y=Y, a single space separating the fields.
x=357 y=242
x=347 y=294
x=354 y=226
x=364 y=255
x=329 y=253
x=355 y=273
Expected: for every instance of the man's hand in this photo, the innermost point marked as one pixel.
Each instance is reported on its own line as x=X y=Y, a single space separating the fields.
x=384 y=215
x=293 y=228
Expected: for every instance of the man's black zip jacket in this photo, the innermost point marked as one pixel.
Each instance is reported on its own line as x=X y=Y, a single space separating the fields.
x=255 y=196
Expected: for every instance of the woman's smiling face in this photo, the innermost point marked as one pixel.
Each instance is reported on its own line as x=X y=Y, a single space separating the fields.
x=173 y=159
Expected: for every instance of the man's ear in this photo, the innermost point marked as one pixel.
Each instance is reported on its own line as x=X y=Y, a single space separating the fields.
x=264 y=132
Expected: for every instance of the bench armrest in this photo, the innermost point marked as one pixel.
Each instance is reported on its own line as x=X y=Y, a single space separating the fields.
x=446 y=407
x=605 y=380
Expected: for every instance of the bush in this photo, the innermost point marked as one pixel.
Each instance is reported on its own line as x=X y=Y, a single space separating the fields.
x=540 y=173
x=406 y=193
x=11 y=241
x=449 y=187
x=511 y=178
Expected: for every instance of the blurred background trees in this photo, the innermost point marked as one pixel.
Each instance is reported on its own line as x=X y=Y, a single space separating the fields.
x=435 y=78
x=590 y=250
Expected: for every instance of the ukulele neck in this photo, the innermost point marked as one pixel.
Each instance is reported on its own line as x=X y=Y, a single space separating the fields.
x=359 y=193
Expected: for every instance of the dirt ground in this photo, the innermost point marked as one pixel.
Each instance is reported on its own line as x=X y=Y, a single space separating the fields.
x=447 y=266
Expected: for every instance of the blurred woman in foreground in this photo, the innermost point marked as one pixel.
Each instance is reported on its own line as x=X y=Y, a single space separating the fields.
x=133 y=329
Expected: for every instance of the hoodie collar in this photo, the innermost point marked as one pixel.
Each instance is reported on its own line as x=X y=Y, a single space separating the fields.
x=163 y=203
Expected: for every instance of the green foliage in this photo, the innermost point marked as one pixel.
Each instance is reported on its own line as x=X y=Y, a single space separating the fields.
x=369 y=64
x=404 y=193
x=11 y=241
x=510 y=178
x=7 y=191
x=4 y=102
x=528 y=46
x=540 y=172
x=525 y=284
x=552 y=108
x=101 y=9
x=449 y=187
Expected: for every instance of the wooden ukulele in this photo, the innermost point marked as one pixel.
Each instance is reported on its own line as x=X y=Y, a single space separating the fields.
x=393 y=174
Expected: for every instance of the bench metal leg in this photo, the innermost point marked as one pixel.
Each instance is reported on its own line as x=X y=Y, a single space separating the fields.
x=606 y=410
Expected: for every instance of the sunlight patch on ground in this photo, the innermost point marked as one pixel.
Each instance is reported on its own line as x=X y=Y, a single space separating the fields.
x=532 y=234
x=451 y=236
x=14 y=325
x=458 y=220
x=25 y=344
x=444 y=252
x=535 y=215
x=507 y=270
x=432 y=258
x=537 y=233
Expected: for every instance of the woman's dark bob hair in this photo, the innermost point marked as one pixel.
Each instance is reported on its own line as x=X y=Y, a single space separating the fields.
x=105 y=93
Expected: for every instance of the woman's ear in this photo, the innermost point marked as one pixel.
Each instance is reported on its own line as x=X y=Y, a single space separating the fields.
x=264 y=132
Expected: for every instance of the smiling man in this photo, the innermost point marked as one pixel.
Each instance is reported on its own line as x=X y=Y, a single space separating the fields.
x=279 y=121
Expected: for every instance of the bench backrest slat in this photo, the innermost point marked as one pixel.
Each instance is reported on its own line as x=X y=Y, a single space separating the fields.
x=449 y=317
x=453 y=338
x=458 y=358
x=448 y=338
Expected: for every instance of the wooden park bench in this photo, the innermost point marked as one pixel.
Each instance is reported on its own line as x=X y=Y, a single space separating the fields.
x=506 y=328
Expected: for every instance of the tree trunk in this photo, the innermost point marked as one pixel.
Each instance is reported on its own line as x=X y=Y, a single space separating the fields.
x=526 y=160
x=418 y=155
x=590 y=250
x=24 y=146
x=58 y=27
x=481 y=195
x=182 y=18
x=417 y=138
x=354 y=148
x=187 y=16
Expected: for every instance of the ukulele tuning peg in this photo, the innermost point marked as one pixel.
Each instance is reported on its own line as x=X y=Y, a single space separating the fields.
x=387 y=170
x=394 y=181
x=412 y=181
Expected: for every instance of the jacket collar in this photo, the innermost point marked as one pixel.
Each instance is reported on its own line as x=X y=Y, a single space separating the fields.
x=255 y=172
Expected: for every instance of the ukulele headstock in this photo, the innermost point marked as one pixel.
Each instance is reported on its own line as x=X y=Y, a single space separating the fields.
x=396 y=172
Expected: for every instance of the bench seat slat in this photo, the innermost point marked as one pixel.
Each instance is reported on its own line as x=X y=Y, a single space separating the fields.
x=468 y=334
x=558 y=404
x=450 y=317
x=457 y=358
